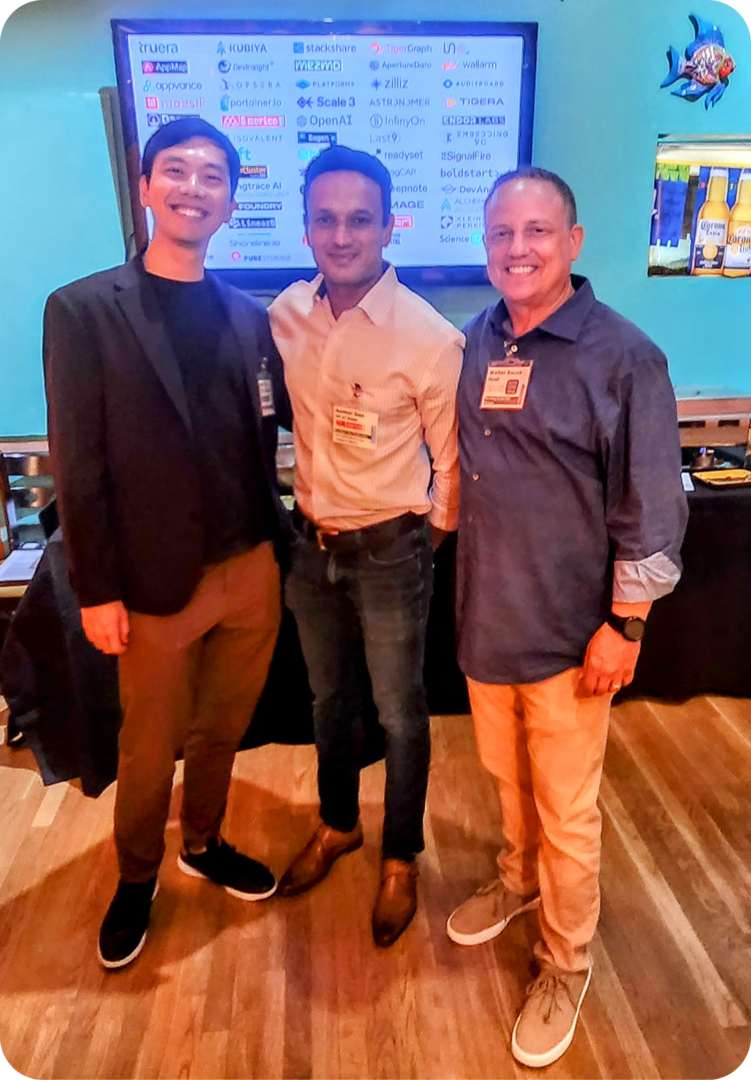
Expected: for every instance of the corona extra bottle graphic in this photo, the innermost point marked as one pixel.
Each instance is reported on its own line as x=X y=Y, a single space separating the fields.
x=712 y=226
x=738 y=250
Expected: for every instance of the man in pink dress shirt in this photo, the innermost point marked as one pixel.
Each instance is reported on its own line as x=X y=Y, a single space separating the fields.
x=372 y=371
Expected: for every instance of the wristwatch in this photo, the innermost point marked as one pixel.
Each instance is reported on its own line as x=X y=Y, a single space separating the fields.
x=629 y=626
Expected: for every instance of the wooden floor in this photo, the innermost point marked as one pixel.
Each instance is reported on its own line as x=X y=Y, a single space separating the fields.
x=296 y=988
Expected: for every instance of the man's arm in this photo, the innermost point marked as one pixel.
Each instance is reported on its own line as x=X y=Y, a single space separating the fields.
x=437 y=406
x=282 y=403
x=645 y=514
x=77 y=444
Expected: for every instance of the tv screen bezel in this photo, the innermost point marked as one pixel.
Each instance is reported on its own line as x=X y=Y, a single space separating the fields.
x=261 y=279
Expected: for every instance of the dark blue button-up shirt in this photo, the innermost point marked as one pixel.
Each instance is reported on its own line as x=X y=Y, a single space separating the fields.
x=569 y=503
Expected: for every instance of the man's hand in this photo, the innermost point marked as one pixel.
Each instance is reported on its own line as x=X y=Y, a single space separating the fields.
x=107 y=627
x=609 y=662
x=437 y=536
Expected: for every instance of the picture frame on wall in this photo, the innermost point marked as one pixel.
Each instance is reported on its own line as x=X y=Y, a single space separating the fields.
x=701 y=211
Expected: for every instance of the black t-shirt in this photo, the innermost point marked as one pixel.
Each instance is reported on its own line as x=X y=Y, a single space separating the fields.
x=238 y=512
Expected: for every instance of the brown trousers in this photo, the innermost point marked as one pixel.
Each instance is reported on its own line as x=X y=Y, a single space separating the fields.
x=545 y=745
x=190 y=682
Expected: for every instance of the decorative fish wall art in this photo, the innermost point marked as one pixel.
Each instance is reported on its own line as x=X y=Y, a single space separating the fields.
x=707 y=65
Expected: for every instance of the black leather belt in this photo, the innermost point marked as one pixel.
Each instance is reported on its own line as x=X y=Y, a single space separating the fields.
x=372 y=538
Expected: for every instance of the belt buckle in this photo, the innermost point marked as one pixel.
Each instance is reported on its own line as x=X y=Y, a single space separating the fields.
x=320 y=537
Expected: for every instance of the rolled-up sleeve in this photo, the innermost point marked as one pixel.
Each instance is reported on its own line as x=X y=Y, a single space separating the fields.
x=437 y=407
x=646 y=508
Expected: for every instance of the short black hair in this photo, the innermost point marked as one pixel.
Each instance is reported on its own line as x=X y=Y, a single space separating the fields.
x=343 y=159
x=180 y=131
x=531 y=172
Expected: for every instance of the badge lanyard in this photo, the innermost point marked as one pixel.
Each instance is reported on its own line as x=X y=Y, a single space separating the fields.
x=265 y=389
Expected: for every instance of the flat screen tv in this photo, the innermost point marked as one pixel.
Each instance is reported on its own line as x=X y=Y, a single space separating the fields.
x=446 y=106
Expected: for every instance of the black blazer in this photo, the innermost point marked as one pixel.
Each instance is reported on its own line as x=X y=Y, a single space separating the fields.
x=120 y=437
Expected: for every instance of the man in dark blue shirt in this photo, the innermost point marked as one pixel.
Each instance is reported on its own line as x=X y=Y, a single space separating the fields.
x=572 y=516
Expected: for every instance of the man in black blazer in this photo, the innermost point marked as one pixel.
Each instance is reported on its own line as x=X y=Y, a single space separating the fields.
x=165 y=392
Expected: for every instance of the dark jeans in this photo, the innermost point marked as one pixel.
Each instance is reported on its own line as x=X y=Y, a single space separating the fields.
x=363 y=616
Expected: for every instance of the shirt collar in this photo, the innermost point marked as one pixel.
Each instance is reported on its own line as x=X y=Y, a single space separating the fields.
x=565 y=322
x=376 y=303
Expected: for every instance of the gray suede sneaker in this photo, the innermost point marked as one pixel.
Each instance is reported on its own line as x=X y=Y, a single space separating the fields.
x=487 y=913
x=546 y=1025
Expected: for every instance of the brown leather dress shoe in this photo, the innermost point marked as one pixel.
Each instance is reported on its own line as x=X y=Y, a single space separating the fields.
x=317 y=857
x=397 y=901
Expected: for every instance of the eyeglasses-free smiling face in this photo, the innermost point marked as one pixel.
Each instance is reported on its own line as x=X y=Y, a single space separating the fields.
x=531 y=245
x=189 y=191
x=345 y=229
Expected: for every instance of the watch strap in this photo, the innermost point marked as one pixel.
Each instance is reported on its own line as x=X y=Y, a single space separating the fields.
x=620 y=622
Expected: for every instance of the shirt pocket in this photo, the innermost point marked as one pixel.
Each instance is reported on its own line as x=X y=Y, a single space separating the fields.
x=392 y=404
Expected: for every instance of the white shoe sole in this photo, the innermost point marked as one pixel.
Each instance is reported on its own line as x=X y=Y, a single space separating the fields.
x=112 y=965
x=192 y=872
x=537 y=1061
x=490 y=931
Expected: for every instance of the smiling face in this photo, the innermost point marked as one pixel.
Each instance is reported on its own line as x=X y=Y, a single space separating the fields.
x=188 y=192
x=345 y=229
x=530 y=245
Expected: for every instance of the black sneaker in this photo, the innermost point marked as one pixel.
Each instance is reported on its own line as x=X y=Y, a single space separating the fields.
x=238 y=875
x=123 y=932
x=14 y=736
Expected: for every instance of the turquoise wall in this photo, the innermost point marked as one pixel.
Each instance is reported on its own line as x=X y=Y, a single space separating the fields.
x=598 y=114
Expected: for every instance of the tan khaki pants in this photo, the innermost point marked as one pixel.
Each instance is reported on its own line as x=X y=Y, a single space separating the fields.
x=545 y=746
x=191 y=681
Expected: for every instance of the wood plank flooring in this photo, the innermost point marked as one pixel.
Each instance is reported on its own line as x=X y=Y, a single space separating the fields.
x=295 y=989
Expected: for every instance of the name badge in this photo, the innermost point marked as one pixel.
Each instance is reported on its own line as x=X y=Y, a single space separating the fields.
x=506 y=384
x=266 y=395
x=352 y=427
x=265 y=390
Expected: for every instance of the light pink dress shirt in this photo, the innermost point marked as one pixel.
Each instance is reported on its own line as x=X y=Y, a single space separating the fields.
x=393 y=355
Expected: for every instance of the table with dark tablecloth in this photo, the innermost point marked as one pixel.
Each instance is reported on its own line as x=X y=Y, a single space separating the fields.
x=64 y=693
x=698 y=639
